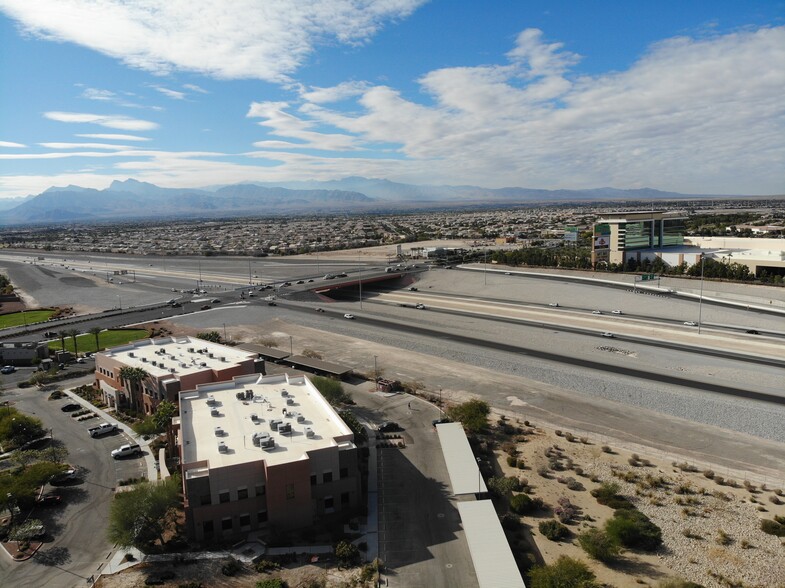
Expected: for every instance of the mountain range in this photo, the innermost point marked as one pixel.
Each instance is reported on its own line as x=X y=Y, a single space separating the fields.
x=132 y=199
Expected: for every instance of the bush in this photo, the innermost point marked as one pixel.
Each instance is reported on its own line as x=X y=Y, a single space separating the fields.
x=678 y=583
x=521 y=465
x=231 y=567
x=347 y=554
x=504 y=486
x=633 y=529
x=598 y=545
x=512 y=461
x=521 y=504
x=564 y=572
x=271 y=583
x=608 y=495
x=473 y=415
x=265 y=565
x=773 y=527
x=553 y=530
x=606 y=449
x=332 y=390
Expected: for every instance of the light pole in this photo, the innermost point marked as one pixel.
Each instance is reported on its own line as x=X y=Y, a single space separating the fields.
x=250 y=280
x=360 y=274
x=479 y=477
x=291 y=346
x=119 y=302
x=485 y=264
x=700 y=300
x=375 y=374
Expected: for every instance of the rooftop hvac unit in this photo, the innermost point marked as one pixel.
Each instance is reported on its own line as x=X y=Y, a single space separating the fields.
x=222 y=358
x=290 y=401
x=131 y=354
x=285 y=428
x=275 y=423
x=300 y=418
x=144 y=360
x=254 y=417
x=203 y=364
x=267 y=443
x=248 y=394
x=154 y=362
x=308 y=432
x=210 y=355
x=219 y=432
x=259 y=438
x=210 y=400
x=171 y=370
x=222 y=448
x=183 y=365
x=284 y=393
x=214 y=412
x=240 y=395
x=190 y=350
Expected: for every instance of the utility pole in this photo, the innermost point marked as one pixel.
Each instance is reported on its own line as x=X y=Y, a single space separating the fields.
x=360 y=274
x=700 y=300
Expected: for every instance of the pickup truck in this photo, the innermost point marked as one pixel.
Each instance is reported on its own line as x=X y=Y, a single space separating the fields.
x=102 y=429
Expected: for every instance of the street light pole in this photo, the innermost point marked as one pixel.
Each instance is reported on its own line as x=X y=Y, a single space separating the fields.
x=375 y=374
x=700 y=300
x=119 y=302
x=291 y=346
x=360 y=273
x=485 y=264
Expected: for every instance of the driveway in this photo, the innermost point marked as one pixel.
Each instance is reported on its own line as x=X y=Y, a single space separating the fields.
x=77 y=528
x=421 y=540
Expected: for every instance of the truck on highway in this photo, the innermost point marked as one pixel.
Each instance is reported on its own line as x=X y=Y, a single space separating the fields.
x=102 y=429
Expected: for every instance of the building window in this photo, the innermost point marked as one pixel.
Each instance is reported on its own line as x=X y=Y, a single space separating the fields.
x=344 y=473
x=223 y=496
x=344 y=498
x=261 y=516
x=242 y=493
x=327 y=477
x=313 y=479
x=329 y=504
x=260 y=489
x=245 y=520
x=205 y=499
x=226 y=524
x=289 y=491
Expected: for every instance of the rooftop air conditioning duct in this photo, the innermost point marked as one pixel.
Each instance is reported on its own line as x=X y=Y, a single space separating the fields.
x=219 y=432
x=308 y=432
x=285 y=428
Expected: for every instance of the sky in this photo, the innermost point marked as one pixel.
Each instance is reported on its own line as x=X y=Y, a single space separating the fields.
x=674 y=95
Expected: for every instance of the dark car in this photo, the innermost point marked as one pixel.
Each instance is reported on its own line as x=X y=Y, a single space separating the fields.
x=301 y=281
x=440 y=421
x=176 y=305
x=71 y=407
x=271 y=303
x=389 y=426
x=752 y=332
x=319 y=310
x=206 y=307
x=65 y=477
x=48 y=500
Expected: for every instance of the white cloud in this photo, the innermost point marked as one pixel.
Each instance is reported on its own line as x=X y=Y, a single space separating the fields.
x=112 y=137
x=173 y=94
x=11 y=144
x=112 y=121
x=98 y=94
x=264 y=39
x=108 y=146
x=337 y=93
x=195 y=88
x=284 y=124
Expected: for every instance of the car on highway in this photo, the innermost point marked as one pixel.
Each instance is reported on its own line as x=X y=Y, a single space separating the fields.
x=271 y=303
x=216 y=301
x=596 y=312
x=7 y=369
x=388 y=426
x=319 y=310
x=609 y=335
x=419 y=306
x=206 y=307
x=413 y=289
x=348 y=316
x=127 y=450
x=70 y=407
x=176 y=305
x=752 y=332
x=507 y=273
x=554 y=304
x=690 y=323
x=616 y=312
x=301 y=281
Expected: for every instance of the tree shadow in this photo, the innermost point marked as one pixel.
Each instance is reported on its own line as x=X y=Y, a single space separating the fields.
x=57 y=556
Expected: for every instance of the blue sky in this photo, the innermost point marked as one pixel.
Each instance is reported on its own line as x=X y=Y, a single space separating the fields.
x=683 y=96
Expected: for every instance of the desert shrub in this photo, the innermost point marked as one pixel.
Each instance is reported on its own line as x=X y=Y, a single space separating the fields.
x=332 y=390
x=773 y=527
x=723 y=538
x=510 y=522
x=569 y=436
x=558 y=433
x=607 y=449
x=690 y=534
x=678 y=583
x=521 y=504
x=574 y=484
x=633 y=529
x=779 y=519
x=564 y=572
x=598 y=545
x=774 y=499
x=553 y=530
x=544 y=471
x=347 y=553
x=578 y=471
x=520 y=464
x=473 y=415
x=566 y=511
x=231 y=567
x=504 y=486
x=608 y=495
x=512 y=461
x=708 y=473
x=271 y=583
x=510 y=449
x=585 y=440
x=265 y=565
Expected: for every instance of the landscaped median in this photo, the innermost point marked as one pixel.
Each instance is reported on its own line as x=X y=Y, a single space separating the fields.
x=95 y=341
x=26 y=317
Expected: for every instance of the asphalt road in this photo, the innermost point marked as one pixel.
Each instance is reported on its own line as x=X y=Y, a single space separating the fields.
x=76 y=545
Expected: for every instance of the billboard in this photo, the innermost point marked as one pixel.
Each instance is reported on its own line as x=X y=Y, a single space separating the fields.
x=602 y=236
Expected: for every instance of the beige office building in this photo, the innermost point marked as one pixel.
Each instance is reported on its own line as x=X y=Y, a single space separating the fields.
x=263 y=454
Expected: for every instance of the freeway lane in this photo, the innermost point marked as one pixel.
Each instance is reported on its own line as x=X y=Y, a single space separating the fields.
x=419 y=329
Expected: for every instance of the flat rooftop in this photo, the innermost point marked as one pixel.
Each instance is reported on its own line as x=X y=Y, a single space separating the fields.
x=178 y=356
x=214 y=414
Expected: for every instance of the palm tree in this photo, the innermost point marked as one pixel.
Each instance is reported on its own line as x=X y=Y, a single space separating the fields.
x=95 y=331
x=134 y=376
x=62 y=335
x=73 y=334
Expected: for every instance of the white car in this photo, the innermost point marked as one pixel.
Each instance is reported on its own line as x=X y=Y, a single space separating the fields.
x=419 y=306
x=348 y=316
x=616 y=312
x=609 y=335
x=126 y=450
x=690 y=323
x=554 y=304
x=596 y=312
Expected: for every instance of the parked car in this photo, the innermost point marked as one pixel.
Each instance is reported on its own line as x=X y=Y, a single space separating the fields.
x=271 y=303
x=48 y=500
x=7 y=369
x=441 y=421
x=206 y=307
x=752 y=332
x=389 y=426
x=348 y=316
x=79 y=360
x=70 y=407
x=176 y=305
x=216 y=301
x=301 y=281
x=126 y=450
x=690 y=323
x=68 y=475
x=102 y=429
x=413 y=289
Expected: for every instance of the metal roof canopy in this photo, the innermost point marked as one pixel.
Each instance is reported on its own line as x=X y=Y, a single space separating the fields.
x=461 y=464
x=317 y=364
x=268 y=352
x=493 y=561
